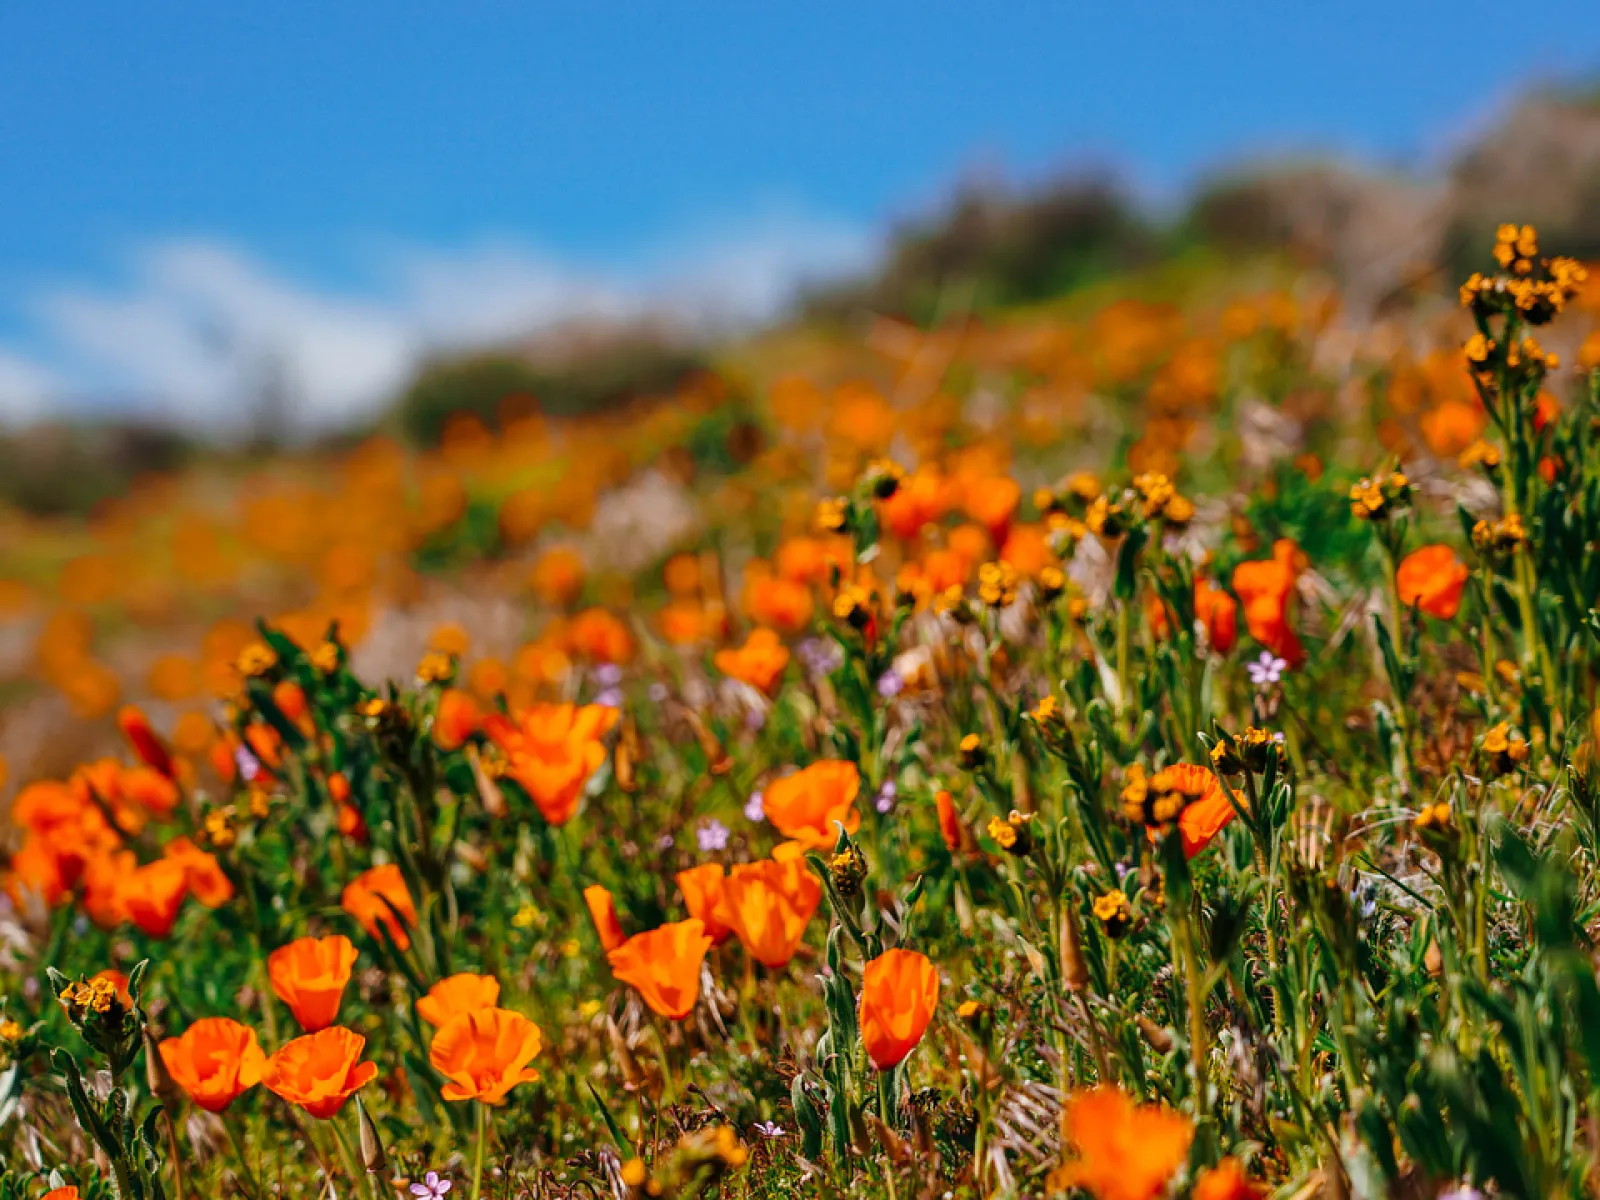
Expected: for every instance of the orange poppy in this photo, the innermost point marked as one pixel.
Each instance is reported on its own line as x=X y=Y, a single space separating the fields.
x=949 y=820
x=61 y=1193
x=455 y=719
x=1204 y=816
x=377 y=895
x=1432 y=580
x=206 y=880
x=782 y=603
x=899 y=991
x=992 y=502
x=309 y=975
x=603 y=911
x=664 y=965
x=805 y=806
x=1124 y=1151
x=320 y=1071
x=922 y=498
x=1226 y=1181
x=148 y=789
x=458 y=994
x=551 y=751
x=152 y=895
x=769 y=904
x=1266 y=589
x=1219 y=613
x=485 y=1053
x=214 y=1061
x=704 y=897
x=136 y=728
x=759 y=662
x=558 y=576
x=102 y=880
x=598 y=636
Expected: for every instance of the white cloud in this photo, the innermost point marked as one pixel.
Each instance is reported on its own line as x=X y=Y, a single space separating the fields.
x=26 y=388
x=203 y=329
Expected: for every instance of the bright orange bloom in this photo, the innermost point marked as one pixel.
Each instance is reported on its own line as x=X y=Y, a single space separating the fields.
x=1027 y=550
x=291 y=700
x=949 y=820
x=603 y=911
x=598 y=636
x=455 y=719
x=804 y=806
x=214 y=1061
x=781 y=603
x=136 y=728
x=704 y=897
x=1203 y=818
x=1432 y=579
x=769 y=905
x=485 y=1053
x=992 y=502
x=61 y=1193
x=664 y=965
x=922 y=498
x=759 y=662
x=558 y=576
x=202 y=872
x=1125 y=1151
x=1266 y=588
x=812 y=560
x=320 y=1071
x=309 y=975
x=458 y=994
x=152 y=895
x=148 y=789
x=1219 y=613
x=1226 y=1181
x=551 y=751
x=377 y=895
x=899 y=991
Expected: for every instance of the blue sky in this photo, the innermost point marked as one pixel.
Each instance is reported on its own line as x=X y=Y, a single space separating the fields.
x=187 y=190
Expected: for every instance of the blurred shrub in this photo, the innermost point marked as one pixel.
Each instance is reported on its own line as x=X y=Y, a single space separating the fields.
x=68 y=469
x=601 y=375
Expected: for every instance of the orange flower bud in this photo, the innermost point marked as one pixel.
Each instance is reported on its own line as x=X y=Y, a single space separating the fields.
x=899 y=991
x=136 y=728
x=603 y=911
x=309 y=975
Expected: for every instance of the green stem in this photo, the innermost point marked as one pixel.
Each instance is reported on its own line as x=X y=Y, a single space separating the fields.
x=477 y=1158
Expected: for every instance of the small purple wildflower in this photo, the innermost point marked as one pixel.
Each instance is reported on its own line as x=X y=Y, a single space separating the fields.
x=885 y=798
x=432 y=1187
x=608 y=675
x=755 y=808
x=769 y=1130
x=658 y=692
x=891 y=683
x=610 y=698
x=249 y=768
x=1267 y=669
x=713 y=835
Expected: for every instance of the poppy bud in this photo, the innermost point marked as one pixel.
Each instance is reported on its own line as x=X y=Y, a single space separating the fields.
x=372 y=1155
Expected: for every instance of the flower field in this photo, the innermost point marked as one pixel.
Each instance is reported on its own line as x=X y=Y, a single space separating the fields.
x=1138 y=745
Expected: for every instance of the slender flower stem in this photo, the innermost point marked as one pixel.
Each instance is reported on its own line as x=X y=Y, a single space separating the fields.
x=477 y=1158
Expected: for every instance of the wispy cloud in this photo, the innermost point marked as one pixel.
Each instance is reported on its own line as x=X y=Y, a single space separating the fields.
x=201 y=327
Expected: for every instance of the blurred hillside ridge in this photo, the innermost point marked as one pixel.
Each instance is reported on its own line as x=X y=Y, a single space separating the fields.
x=1383 y=235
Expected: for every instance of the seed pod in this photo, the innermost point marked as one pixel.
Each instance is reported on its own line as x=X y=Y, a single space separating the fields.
x=372 y=1155
x=1074 y=971
x=1160 y=1040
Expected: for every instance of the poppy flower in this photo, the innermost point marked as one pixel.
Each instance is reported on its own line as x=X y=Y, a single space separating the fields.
x=552 y=750
x=706 y=900
x=309 y=975
x=455 y=719
x=1124 y=1151
x=68 y=1192
x=1432 y=580
x=603 y=911
x=992 y=502
x=1266 y=589
x=922 y=498
x=784 y=604
x=769 y=904
x=804 y=806
x=899 y=991
x=148 y=789
x=759 y=662
x=949 y=820
x=377 y=895
x=102 y=882
x=203 y=873
x=152 y=895
x=135 y=726
x=1226 y=1181
x=598 y=636
x=458 y=994
x=1205 y=808
x=664 y=966
x=485 y=1053
x=1218 y=612
x=215 y=1061
x=320 y=1071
